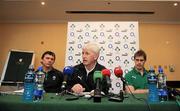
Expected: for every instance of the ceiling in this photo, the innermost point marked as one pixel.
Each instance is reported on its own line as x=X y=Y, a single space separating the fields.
x=55 y=11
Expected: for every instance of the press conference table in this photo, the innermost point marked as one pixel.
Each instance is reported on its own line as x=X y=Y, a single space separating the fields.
x=52 y=102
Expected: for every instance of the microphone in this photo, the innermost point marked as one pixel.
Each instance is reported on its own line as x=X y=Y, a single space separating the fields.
x=97 y=77
x=107 y=74
x=118 y=73
x=67 y=71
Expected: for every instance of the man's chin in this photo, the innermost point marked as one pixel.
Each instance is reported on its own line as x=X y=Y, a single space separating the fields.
x=85 y=63
x=48 y=66
x=139 y=68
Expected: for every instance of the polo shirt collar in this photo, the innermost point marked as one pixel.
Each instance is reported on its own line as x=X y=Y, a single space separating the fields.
x=88 y=71
x=137 y=72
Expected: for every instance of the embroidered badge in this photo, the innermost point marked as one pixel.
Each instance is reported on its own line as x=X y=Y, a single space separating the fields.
x=54 y=77
x=134 y=77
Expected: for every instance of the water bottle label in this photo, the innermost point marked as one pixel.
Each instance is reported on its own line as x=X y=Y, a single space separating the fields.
x=40 y=78
x=152 y=79
x=164 y=93
x=38 y=92
x=39 y=87
x=29 y=78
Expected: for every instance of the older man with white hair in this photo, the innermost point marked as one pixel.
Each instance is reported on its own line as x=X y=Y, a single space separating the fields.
x=82 y=79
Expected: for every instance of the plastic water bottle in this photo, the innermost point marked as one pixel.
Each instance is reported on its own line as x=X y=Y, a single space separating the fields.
x=152 y=86
x=39 y=80
x=29 y=85
x=163 y=94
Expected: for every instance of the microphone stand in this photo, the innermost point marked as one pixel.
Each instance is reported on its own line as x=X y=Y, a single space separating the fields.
x=63 y=87
x=119 y=97
x=66 y=92
x=97 y=91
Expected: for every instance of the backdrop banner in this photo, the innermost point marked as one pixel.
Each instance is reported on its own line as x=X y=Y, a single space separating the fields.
x=118 y=42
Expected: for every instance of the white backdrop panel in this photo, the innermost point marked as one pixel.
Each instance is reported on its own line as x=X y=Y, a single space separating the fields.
x=118 y=42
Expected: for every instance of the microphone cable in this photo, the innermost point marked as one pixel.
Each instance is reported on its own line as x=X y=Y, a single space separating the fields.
x=175 y=94
x=74 y=96
x=178 y=104
x=140 y=99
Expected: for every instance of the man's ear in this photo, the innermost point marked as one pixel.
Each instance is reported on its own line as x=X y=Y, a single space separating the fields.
x=41 y=61
x=95 y=57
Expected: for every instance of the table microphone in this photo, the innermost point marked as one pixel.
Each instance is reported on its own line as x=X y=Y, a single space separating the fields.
x=97 y=77
x=67 y=71
x=119 y=73
x=107 y=74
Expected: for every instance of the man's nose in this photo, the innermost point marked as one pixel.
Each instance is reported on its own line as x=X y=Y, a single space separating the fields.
x=50 y=60
x=139 y=61
x=83 y=55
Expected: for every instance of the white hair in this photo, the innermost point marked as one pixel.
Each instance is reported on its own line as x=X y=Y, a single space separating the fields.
x=93 y=47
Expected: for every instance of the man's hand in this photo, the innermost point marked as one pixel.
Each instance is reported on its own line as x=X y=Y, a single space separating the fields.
x=77 y=88
x=138 y=91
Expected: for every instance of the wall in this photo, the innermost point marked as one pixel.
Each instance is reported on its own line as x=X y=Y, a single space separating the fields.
x=33 y=37
x=160 y=41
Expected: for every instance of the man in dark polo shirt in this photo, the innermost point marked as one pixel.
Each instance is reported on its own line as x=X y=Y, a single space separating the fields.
x=53 y=77
x=137 y=77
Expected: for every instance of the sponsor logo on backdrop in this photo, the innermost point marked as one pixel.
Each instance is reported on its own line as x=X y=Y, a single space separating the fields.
x=118 y=41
